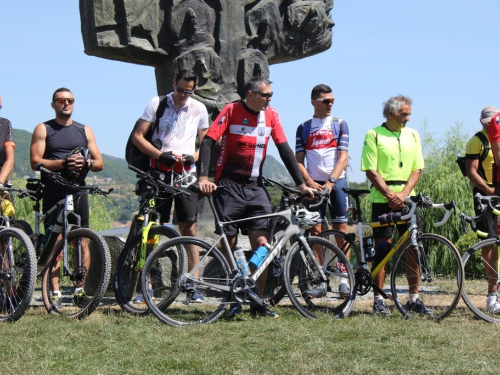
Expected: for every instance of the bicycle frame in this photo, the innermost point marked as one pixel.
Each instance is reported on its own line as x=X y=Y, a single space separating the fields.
x=291 y=230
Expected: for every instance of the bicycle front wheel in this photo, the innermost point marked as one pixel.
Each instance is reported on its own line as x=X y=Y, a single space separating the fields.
x=312 y=296
x=346 y=242
x=481 y=268
x=85 y=281
x=195 y=297
x=437 y=282
x=127 y=278
x=17 y=273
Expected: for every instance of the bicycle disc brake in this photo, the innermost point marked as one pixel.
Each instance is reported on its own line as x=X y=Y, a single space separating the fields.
x=363 y=281
x=240 y=288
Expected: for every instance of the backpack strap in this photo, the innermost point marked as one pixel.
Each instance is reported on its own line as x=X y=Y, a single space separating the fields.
x=486 y=144
x=159 y=112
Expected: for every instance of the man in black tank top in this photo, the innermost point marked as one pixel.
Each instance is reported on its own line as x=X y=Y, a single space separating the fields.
x=7 y=147
x=51 y=144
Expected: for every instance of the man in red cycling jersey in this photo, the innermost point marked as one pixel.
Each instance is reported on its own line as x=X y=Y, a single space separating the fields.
x=245 y=129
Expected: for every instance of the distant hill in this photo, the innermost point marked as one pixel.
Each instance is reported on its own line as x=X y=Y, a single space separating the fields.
x=116 y=168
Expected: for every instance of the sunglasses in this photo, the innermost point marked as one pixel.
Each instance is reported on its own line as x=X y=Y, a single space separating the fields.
x=266 y=95
x=180 y=90
x=326 y=101
x=63 y=100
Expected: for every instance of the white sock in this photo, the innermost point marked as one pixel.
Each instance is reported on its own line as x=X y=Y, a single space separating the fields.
x=378 y=298
x=78 y=290
x=413 y=298
x=343 y=281
x=56 y=293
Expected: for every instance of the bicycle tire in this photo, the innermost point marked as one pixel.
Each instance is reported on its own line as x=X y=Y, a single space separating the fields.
x=22 y=225
x=475 y=290
x=349 y=246
x=443 y=269
x=93 y=276
x=17 y=281
x=127 y=275
x=180 y=310
x=302 y=280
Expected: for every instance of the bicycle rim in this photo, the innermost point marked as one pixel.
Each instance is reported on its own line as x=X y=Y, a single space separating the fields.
x=344 y=243
x=442 y=270
x=17 y=279
x=311 y=296
x=178 y=289
x=127 y=278
x=83 y=288
x=475 y=290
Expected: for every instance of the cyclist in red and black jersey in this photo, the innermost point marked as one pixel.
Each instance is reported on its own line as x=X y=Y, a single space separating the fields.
x=244 y=129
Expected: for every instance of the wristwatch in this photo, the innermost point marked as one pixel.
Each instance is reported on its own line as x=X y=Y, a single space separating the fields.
x=91 y=163
x=332 y=179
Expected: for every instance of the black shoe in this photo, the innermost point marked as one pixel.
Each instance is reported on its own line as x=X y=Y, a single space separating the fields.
x=418 y=307
x=380 y=308
x=262 y=311
x=234 y=310
x=81 y=299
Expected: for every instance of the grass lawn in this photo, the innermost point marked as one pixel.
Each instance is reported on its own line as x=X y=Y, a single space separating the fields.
x=112 y=342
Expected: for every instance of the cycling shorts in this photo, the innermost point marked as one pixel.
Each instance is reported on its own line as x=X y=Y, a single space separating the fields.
x=379 y=209
x=338 y=203
x=239 y=201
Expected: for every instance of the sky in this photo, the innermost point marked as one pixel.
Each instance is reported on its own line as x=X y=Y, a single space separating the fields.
x=442 y=53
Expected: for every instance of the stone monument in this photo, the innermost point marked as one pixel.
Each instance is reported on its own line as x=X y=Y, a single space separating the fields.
x=225 y=41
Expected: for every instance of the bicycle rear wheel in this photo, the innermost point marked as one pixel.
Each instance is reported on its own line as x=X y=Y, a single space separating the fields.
x=17 y=278
x=191 y=299
x=475 y=290
x=127 y=278
x=83 y=287
x=313 y=297
x=439 y=281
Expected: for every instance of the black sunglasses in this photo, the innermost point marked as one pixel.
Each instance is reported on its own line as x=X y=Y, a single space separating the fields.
x=180 y=90
x=266 y=95
x=63 y=100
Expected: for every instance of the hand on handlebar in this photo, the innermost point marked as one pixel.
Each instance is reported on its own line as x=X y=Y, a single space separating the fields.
x=306 y=190
x=206 y=187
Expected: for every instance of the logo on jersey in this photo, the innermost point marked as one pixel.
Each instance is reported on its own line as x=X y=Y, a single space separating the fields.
x=223 y=118
x=251 y=145
x=261 y=131
x=245 y=121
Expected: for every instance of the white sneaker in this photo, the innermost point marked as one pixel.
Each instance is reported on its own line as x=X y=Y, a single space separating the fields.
x=492 y=305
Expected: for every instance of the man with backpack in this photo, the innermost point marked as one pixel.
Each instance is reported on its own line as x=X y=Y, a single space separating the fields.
x=479 y=169
x=323 y=141
x=171 y=148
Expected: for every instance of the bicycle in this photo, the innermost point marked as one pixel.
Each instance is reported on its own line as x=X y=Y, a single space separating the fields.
x=145 y=235
x=84 y=281
x=476 y=266
x=17 y=264
x=430 y=261
x=221 y=282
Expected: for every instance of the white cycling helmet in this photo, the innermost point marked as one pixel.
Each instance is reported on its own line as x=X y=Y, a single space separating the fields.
x=306 y=219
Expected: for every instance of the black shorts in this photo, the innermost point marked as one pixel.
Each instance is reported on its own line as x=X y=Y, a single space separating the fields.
x=379 y=209
x=186 y=208
x=489 y=223
x=80 y=205
x=237 y=201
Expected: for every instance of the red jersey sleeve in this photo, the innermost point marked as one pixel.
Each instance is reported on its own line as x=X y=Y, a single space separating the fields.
x=494 y=129
x=221 y=123
x=277 y=132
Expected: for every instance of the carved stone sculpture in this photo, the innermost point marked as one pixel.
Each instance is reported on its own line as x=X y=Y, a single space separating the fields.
x=225 y=41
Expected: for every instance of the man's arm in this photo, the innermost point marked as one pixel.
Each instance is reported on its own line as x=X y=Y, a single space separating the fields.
x=395 y=200
x=339 y=168
x=142 y=143
x=37 y=149
x=471 y=166
x=201 y=135
x=292 y=166
x=300 y=156
x=94 y=150
x=8 y=164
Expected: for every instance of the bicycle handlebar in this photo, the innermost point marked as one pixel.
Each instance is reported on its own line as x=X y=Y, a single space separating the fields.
x=309 y=203
x=486 y=205
x=57 y=178
x=157 y=180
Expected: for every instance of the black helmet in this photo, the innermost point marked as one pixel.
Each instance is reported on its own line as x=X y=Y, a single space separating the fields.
x=80 y=176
